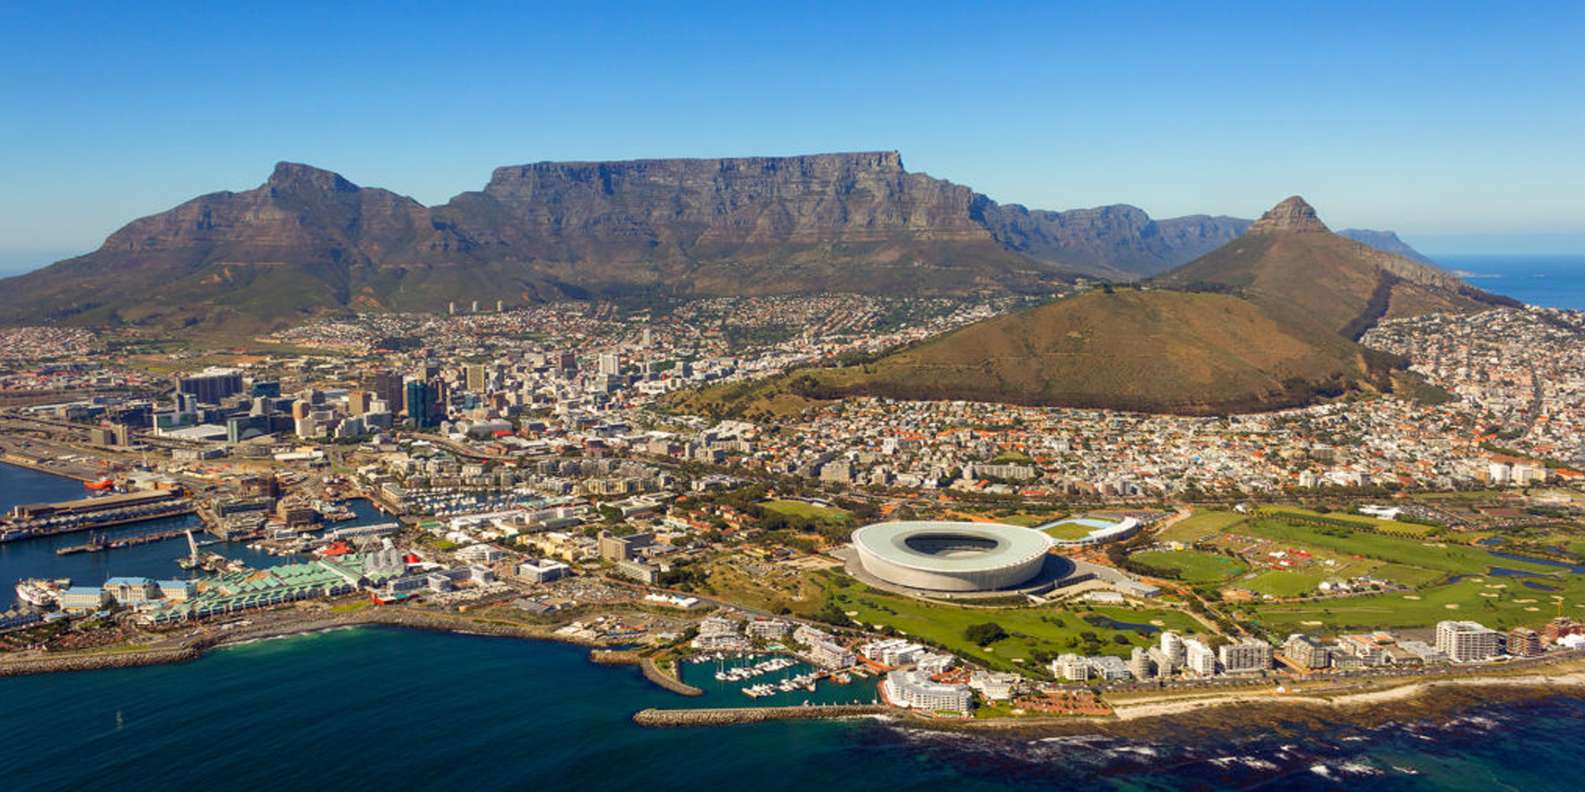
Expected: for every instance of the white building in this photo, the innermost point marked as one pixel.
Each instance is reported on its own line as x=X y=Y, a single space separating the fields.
x=1071 y=667
x=915 y=691
x=1248 y=654
x=830 y=654
x=1172 y=649
x=1467 y=641
x=1199 y=658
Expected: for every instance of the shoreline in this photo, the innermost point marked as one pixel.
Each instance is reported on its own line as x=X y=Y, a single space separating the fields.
x=1142 y=713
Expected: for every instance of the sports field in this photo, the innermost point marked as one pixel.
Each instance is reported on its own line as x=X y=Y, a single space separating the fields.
x=1191 y=566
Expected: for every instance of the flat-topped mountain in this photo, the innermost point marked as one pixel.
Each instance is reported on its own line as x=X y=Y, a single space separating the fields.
x=308 y=240
x=1265 y=322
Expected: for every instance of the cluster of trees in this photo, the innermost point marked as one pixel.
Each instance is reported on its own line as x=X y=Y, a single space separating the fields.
x=984 y=633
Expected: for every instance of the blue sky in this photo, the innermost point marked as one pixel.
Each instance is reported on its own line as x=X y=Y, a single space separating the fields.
x=1459 y=125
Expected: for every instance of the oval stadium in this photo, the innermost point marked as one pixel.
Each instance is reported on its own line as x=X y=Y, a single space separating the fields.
x=951 y=556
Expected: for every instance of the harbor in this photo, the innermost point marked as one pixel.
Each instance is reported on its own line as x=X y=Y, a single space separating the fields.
x=774 y=680
x=34 y=520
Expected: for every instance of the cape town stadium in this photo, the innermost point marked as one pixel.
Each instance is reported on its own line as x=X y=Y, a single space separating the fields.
x=951 y=556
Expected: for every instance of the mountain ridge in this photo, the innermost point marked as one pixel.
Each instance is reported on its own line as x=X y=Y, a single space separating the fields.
x=309 y=240
x=1268 y=321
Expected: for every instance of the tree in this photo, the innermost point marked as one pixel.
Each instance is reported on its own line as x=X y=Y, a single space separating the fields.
x=985 y=633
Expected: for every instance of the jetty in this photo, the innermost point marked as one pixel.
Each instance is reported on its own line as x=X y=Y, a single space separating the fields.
x=724 y=716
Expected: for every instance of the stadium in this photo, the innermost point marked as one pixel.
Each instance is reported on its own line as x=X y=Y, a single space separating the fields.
x=952 y=556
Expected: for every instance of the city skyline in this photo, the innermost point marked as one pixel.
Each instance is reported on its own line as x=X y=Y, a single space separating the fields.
x=1430 y=122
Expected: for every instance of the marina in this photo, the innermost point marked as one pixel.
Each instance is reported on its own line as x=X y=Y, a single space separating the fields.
x=773 y=680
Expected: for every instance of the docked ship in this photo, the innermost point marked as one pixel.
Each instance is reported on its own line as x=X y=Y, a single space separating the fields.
x=41 y=593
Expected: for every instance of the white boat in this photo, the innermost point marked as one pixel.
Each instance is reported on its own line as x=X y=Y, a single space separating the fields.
x=40 y=592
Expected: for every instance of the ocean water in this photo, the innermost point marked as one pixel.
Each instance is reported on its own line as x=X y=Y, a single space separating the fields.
x=1550 y=281
x=382 y=708
x=392 y=709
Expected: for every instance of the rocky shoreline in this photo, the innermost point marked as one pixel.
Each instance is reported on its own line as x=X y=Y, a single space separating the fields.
x=1428 y=694
x=196 y=647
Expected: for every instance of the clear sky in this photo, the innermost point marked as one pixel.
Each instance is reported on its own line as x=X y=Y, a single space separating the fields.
x=1461 y=125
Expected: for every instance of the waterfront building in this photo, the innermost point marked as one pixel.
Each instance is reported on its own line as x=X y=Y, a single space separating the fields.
x=1172 y=650
x=1524 y=642
x=994 y=685
x=131 y=590
x=1467 y=641
x=1070 y=667
x=1140 y=665
x=1199 y=658
x=830 y=654
x=808 y=636
x=1109 y=668
x=1306 y=652
x=1248 y=654
x=718 y=633
x=78 y=599
x=766 y=629
x=177 y=591
x=913 y=690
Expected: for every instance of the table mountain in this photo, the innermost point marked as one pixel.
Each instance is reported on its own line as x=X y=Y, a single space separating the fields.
x=308 y=240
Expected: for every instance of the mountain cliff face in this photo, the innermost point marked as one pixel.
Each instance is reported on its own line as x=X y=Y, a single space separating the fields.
x=308 y=240
x=1386 y=242
x=1119 y=242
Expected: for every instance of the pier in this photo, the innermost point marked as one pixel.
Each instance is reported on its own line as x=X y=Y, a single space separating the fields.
x=32 y=520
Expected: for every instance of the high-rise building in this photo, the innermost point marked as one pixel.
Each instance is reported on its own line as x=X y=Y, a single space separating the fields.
x=610 y=363
x=1199 y=658
x=1140 y=664
x=358 y=401
x=1467 y=641
x=1306 y=652
x=421 y=404
x=1248 y=654
x=475 y=374
x=1524 y=642
x=211 y=385
x=387 y=387
x=1172 y=649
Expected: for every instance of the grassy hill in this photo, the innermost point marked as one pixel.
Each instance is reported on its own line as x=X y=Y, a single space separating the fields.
x=1154 y=351
x=1266 y=322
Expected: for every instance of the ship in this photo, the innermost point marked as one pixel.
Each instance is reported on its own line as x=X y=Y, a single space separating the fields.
x=41 y=593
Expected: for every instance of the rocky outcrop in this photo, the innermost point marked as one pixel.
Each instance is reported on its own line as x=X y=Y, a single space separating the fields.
x=1291 y=215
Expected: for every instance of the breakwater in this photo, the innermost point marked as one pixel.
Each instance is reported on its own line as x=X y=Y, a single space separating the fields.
x=96 y=661
x=726 y=716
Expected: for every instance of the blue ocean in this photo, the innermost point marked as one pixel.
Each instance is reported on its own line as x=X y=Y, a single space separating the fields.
x=1550 y=281
x=392 y=709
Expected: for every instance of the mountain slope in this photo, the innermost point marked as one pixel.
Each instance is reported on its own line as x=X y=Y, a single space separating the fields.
x=309 y=241
x=1265 y=322
x=1289 y=262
